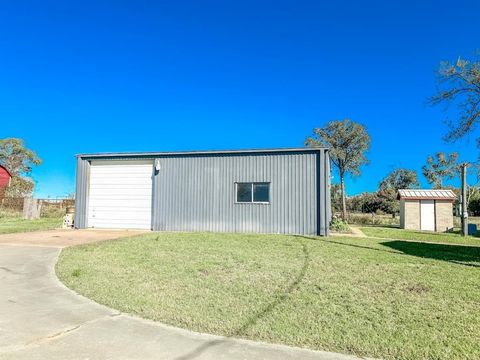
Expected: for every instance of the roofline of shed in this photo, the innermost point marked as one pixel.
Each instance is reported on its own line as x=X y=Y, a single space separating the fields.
x=452 y=198
x=429 y=198
x=200 y=152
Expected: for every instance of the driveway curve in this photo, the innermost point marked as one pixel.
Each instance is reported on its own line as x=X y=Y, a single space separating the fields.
x=41 y=319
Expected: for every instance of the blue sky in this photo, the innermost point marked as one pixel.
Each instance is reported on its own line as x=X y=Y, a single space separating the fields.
x=94 y=76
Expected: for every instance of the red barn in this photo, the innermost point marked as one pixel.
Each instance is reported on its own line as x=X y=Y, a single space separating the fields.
x=5 y=177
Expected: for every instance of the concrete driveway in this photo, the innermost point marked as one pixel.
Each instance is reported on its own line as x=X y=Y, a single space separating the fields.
x=42 y=319
x=61 y=238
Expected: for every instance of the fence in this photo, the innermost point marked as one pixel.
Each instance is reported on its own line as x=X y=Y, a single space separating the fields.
x=50 y=207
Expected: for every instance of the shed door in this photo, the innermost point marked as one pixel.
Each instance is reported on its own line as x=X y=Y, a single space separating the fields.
x=120 y=194
x=427 y=215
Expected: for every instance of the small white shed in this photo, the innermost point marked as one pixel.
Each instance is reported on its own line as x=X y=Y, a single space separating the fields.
x=429 y=210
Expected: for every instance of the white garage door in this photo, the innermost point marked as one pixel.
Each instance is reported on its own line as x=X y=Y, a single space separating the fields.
x=120 y=194
x=427 y=215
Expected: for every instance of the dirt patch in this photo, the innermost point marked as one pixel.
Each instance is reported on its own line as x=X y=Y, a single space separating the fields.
x=417 y=289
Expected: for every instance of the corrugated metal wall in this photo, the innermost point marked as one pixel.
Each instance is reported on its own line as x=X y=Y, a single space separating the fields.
x=324 y=214
x=81 y=193
x=197 y=193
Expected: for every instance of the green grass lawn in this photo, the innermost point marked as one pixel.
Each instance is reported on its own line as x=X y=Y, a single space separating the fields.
x=379 y=298
x=397 y=233
x=17 y=224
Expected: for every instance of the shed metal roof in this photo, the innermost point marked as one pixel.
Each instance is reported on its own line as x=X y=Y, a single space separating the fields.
x=199 y=152
x=420 y=194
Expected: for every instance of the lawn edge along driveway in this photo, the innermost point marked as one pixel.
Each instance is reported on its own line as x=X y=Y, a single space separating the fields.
x=380 y=298
x=43 y=319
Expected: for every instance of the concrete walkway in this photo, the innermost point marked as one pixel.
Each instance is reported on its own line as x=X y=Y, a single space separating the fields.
x=42 y=319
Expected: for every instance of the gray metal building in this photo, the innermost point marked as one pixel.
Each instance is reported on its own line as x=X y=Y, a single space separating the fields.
x=261 y=191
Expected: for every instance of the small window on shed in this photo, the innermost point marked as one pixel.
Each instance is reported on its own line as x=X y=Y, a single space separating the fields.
x=244 y=192
x=261 y=192
x=253 y=192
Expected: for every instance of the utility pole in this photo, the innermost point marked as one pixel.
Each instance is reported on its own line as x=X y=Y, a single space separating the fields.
x=464 y=213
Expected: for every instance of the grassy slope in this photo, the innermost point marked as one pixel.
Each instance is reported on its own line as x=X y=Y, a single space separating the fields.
x=396 y=233
x=16 y=224
x=389 y=299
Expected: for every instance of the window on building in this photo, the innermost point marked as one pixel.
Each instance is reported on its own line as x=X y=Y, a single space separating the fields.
x=253 y=192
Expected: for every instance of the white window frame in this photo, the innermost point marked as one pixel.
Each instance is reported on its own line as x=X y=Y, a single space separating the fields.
x=251 y=190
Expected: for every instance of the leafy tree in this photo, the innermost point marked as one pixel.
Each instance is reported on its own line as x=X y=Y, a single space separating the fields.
x=460 y=84
x=390 y=184
x=367 y=203
x=19 y=161
x=474 y=202
x=16 y=157
x=355 y=203
x=387 y=200
x=348 y=141
x=19 y=187
x=440 y=167
x=399 y=179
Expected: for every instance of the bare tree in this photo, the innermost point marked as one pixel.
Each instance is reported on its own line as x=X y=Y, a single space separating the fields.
x=460 y=84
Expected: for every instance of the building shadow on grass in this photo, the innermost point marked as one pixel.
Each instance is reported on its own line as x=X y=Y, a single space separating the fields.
x=465 y=255
x=457 y=254
x=252 y=320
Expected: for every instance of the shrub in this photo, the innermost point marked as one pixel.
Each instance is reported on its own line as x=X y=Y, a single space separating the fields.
x=373 y=219
x=380 y=202
x=9 y=213
x=339 y=225
x=360 y=219
x=52 y=211
x=474 y=204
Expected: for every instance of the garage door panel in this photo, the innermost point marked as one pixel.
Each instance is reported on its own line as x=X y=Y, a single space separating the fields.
x=121 y=207
x=113 y=170
x=120 y=224
x=113 y=190
x=123 y=193
x=125 y=198
x=109 y=216
x=119 y=186
x=120 y=194
x=110 y=180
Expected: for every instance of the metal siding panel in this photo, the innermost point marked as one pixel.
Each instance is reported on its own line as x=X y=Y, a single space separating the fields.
x=197 y=193
x=283 y=196
x=310 y=199
x=304 y=198
x=154 y=202
x=317 y=194
x=321 y=172
x=81 y=193
x=328 y=205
